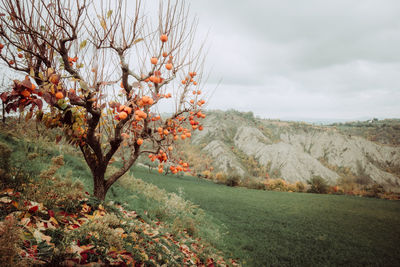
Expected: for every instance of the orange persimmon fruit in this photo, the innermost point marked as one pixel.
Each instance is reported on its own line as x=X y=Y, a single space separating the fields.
x=25 y=93
x=154 y=60
x=123 y=115
x=59 y=95
x=168 y=66
x=164 y=38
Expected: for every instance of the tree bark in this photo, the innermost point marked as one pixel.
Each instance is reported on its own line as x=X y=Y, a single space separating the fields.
x=4 y=113
x=100 y=189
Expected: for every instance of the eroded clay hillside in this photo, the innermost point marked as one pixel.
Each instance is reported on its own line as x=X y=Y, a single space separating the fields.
x=298 y=151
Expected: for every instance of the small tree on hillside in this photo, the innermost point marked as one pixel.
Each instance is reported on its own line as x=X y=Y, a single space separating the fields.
x=99 y=70
x=318 y=185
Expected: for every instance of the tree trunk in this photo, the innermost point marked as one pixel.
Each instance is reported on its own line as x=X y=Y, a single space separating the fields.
x=100 y=189
x=4 y=112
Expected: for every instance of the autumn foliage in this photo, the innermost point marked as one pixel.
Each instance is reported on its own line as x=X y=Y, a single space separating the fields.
x=101 y=76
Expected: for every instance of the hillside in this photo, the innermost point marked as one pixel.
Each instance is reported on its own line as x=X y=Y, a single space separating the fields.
x=48 y=216
x=170 y=220
x=365 y=152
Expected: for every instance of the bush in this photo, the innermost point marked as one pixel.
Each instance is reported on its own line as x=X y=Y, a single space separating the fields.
x=300 y=187
x=100 y=232
x=220 y=178
x=318 y=185
x=233 y=180
x=277 y=185
x=291 y=187
x=206 y=174
x=375 y=190
x=254 y=184
x=10 y=241
x=348 y=184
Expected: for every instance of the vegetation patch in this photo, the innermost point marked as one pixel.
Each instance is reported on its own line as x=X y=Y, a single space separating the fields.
x=47 y=218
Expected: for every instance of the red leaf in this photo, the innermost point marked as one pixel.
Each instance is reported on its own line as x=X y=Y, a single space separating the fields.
x=27 y=84
x=84 y=257
x=51 y=213
x=4 y=96
x=51 y=100
x=33 y=209
x=39 y=103
x=73 y=97
x=210 y=262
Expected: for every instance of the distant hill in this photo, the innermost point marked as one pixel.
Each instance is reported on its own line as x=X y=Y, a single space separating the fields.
x=235 y=142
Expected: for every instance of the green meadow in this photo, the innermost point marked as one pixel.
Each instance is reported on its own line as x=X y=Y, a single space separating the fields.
x=265 y=228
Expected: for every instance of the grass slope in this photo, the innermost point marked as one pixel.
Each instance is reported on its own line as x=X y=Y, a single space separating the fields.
x=275 y=228
x=175 y=218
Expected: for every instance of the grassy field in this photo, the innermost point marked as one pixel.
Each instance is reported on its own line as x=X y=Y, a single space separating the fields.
x=276 y=228
x=264 y=228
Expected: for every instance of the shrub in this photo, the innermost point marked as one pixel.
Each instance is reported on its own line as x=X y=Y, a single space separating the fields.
x=348 y=184
x=254 y=184
x=233 y=180
x=374 y=190
x=300 y=187
x=318 y=185
x=206 y=174
x=100 y=232
x=10 y=241
x=277 y=185
x=220 y=178
x=291 y=187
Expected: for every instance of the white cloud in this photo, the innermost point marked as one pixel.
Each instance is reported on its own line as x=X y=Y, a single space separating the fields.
x=333 y=59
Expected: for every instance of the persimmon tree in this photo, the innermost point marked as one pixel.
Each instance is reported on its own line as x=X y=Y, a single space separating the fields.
x=99 y=71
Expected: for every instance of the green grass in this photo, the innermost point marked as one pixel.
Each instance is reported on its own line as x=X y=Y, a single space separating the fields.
x=265 y=228
x=276 y=228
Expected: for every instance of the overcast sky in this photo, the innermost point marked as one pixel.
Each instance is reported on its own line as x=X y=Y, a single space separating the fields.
x=294 y=59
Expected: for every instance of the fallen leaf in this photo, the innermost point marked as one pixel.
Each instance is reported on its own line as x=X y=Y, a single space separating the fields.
x=33 y=209
x=5 y=200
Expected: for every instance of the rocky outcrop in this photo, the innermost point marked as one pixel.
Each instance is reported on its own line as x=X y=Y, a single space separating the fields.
x=293 y=164
x=224 y=158
x=358 y=154
x=300 y=152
